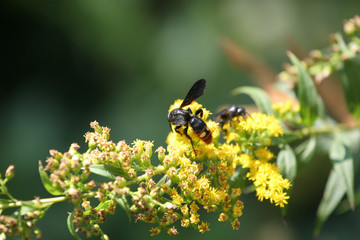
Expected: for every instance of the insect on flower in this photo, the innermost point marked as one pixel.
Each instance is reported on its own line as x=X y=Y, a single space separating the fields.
x=181 y=117
x=229 y=113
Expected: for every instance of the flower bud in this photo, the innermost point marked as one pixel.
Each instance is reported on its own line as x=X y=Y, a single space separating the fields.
x=161 y=153
x=349 y=27
x=104 y=237
x=37 y=233
x=95 y=125
x=10 y=172
x=56 y=154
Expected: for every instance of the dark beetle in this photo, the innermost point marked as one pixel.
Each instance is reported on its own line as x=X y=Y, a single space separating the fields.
x=185 y=117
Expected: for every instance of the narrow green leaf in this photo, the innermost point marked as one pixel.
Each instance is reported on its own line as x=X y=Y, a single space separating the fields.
x=305 y=152
x=344 y=206
x=258 y=95
x=165 y=179
x=124 y=204
x=71 y=226
x=287 y=137
x=341 y=158
x=285 y=208
x=27 y=208
x=238 y=179
x=350 y=78
x=103 y=205
x=310 y=103
x=106 y=170
x=48 y=184
x=286 y=161
x=334 y=191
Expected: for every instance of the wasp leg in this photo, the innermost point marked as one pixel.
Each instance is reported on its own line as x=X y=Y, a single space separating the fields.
x=199 y=112
x=187 y=135
x=189 y=110
x=171 y=127
x=247 y=114
x=177 y=129
x=231 y=126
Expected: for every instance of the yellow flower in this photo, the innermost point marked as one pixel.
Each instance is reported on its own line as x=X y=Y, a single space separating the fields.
x=193 y=207
x=266 y=177
x=185 y=210
x=264 y=154
x=185 y=223
x=176 y=197
x=154 y=231
x=287 y=110
x=216 y=195
x=202 y=183
x=238 y=207
x=260 y=123
x=194 y=218
x=203 y=227
x=284 y=107
x=235 y=224
x=223 y=217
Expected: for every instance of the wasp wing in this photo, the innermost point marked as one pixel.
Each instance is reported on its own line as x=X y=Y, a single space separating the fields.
x=224 y=112
x=196 y=91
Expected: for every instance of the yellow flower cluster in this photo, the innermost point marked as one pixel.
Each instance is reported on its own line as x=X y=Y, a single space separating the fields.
x=266 y=177
x=258 y=129
x=287 y=111
x=197 y=174
x=203 y=175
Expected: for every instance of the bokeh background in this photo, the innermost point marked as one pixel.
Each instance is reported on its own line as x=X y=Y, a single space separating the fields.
x=122 y=63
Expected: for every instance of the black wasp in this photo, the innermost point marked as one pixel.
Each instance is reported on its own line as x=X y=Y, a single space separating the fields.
x=185 y=117
x=229 y=113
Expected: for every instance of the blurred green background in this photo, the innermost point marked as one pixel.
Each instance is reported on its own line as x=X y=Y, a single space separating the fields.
x=122 y=63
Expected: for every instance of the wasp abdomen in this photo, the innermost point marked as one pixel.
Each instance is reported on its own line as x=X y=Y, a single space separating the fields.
x=201 y=129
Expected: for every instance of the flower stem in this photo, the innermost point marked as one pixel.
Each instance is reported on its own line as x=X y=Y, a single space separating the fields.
x=304 y=132
x=158 y=170
x=41 y=203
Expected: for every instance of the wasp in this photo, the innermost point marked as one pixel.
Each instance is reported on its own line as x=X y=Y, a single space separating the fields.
x=229 y=113
x=184 y=117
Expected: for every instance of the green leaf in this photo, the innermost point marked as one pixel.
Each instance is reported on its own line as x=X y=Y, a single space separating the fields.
x=305 y=152
x=341 y=158
x=287 y=137
x=27 y=208
x=48 y=184
x=258 y=95
x=333 y=193
x=165 y=179
x=124 y=204
x=340 y=181
x=310 y=103
x=238 y=179
x=350 y=78
x=285 y=208
x=103 y=205
x=106 y=170
x=71 y=226
x=286 y=161
x=344 y=206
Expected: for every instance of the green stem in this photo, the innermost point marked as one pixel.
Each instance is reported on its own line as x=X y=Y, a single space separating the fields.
x=42 y=203
x=304 y=132
x=158 y=170
x=5 y=191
